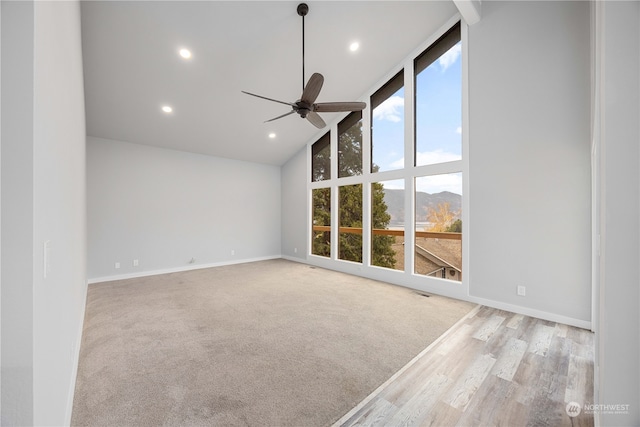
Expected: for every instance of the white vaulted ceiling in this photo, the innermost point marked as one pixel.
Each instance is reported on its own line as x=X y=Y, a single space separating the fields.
x=132 y=67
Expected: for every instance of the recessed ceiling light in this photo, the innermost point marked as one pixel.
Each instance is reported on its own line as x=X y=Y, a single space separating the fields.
x=167 y=109
x=185 y=53
x=272 y=135
x=354 y=46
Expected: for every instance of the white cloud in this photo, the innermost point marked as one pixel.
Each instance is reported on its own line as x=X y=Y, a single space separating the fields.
x=391 y=109
x=397 y=184
x=433 y=184
x=459 y=130
x=437 y=156
x=428 y=158
x=449 y=57
x=398 y=164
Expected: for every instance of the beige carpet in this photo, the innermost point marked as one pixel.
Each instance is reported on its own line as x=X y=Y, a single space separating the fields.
x=272 y=343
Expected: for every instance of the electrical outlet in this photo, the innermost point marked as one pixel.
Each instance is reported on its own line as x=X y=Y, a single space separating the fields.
x=522 y=291
x=135 y=263
x=233 y=252
x=117 y=265
x=295 y=250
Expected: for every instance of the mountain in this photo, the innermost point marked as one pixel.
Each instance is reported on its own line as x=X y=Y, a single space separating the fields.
x=395 y=204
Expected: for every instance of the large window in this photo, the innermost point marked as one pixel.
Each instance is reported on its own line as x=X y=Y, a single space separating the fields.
x=438 y=74
x=321 y=230
x=438 y=147
x=438 y=226
x=387 y=126
x=321 y=159
x=387 y=224
x=350 y=145
x=398 y=209
x=350 y=227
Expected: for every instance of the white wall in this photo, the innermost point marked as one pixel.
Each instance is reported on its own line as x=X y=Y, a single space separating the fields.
x=618 y=136
x=165 y=207
x=59 y=194
x=17 y=213
x=294 y=212
x=529 y=163
x=43 y=199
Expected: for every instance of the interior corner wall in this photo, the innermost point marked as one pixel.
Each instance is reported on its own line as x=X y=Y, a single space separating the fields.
x=529 y=103
x=43 y=200
x=294 y=213
x=166 y=208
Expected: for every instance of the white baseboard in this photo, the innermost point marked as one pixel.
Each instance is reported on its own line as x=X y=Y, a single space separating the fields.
x=532 y=312
x=178 y=269
x=295 y=259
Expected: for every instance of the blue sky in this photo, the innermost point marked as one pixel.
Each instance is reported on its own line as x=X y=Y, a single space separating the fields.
x=438 y=128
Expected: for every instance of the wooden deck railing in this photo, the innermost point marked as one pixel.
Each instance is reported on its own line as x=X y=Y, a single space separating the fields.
x=386 y=232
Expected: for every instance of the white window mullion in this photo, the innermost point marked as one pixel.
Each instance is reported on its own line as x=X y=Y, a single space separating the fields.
x=409 y=116
x=309 y=242
x=409 y=162
x=335 y=195
x=366 y=185
x=466 y=214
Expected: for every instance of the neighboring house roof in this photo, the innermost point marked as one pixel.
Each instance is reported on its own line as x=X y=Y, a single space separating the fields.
x=433 y=254
x=442 y=252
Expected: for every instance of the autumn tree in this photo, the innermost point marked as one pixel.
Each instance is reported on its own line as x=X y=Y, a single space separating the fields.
x=455 y=227
x=442 y=218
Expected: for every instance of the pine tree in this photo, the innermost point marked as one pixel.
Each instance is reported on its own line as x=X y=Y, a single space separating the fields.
x=350 y=203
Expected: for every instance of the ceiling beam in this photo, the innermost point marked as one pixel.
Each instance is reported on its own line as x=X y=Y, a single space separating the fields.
x=469 y=9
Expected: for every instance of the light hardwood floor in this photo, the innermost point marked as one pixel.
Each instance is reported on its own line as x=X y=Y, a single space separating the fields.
x=494 y=368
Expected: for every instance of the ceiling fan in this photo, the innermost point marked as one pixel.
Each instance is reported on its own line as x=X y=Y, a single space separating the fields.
x=306 y=106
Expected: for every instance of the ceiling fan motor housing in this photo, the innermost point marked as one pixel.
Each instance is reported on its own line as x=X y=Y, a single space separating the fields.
x=302 y=108
x=303 y=9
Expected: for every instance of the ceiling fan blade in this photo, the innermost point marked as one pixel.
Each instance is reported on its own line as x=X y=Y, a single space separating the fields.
x=315 y=119
x=312 y=89
x=279 y=117
x=334 y=107
x=268 y=99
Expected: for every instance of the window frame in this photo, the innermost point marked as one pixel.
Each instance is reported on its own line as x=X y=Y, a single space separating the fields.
x=408 y=174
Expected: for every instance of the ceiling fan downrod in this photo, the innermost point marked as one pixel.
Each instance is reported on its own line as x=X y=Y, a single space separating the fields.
x=303 y=9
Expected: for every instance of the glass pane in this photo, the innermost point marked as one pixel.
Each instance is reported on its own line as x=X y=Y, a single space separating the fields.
x=350 y=240
x=387 y=221
x=321 y=230
x=439 y=110
x=321 y=159
x=438 y=250
x=387 y=126
x=350 y=145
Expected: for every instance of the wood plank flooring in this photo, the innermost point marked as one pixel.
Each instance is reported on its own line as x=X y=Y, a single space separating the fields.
x=494 y=368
